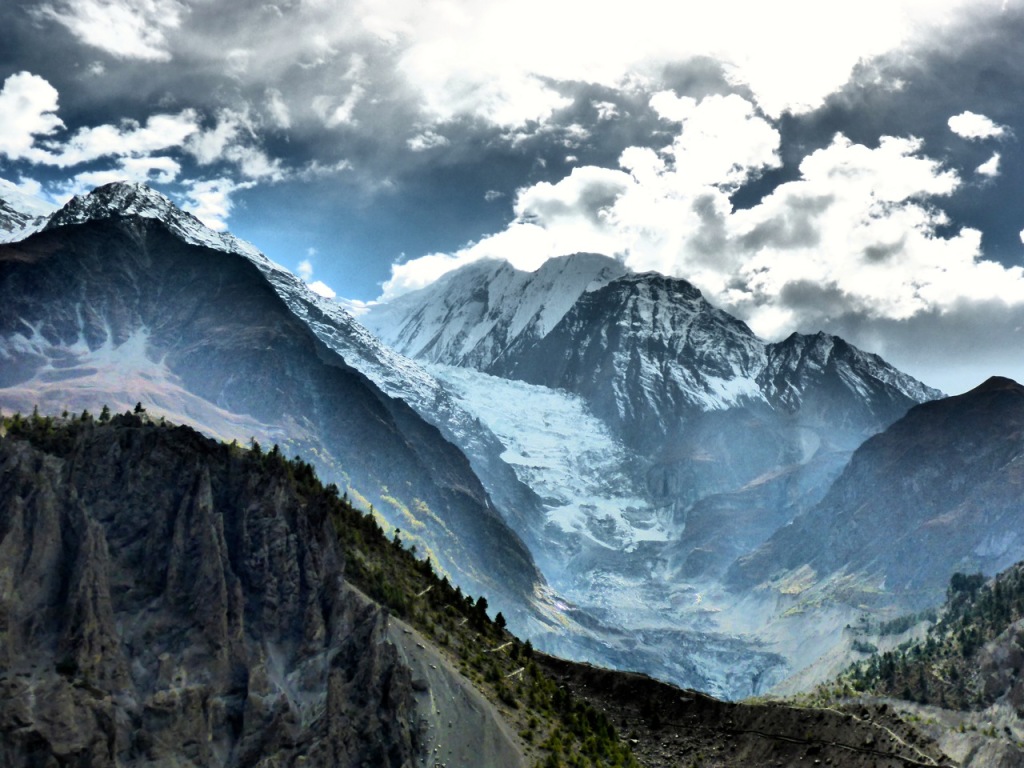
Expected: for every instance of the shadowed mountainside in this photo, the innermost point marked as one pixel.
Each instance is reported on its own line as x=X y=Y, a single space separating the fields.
x=937 y=492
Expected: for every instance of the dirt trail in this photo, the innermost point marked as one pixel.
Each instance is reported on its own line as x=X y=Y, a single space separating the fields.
x=462 y=729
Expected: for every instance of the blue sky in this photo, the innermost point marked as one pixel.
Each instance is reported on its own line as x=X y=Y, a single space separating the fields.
x=849 y=167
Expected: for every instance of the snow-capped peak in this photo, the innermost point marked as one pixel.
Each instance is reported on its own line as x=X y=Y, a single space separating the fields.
x=121 y=199
x=21 y=214
x=473 y=316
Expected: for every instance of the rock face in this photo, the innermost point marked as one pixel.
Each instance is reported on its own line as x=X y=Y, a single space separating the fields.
x=162 y=602
x=937 y=492
x=124 y=298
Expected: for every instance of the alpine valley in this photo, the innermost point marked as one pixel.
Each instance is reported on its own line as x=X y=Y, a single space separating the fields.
x=630 y=475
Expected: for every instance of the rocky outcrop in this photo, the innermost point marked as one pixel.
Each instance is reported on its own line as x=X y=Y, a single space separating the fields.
x=165 y=600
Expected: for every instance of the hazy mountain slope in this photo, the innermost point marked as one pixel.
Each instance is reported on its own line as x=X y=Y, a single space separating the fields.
x=937 y=492
x=124 y=307
x=664 y=440
x=686 y=385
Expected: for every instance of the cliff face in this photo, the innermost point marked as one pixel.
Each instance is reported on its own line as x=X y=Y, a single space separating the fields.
x=162 y=602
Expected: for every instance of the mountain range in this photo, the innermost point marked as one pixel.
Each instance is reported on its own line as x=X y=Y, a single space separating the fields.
x=171 y=599
x=630 y=475
x=122 y=297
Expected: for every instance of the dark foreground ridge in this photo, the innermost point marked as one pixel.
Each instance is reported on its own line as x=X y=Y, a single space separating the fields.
x=667 y=726
x=168 y=599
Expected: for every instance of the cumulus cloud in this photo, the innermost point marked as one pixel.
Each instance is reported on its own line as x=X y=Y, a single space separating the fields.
x=642 y=212
x=127 y=29
x=28 y=104
x=495 y=62
x=320 y=288
x=860 y=232
x=230 y=140
x=971 y=125
x=210 y=200
x=990 y=167
x=129 y=139
x=305 y=273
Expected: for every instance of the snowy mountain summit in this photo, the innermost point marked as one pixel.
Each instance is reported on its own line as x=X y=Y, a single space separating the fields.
x=122 y=199
x=20 y=213
x=647 y=351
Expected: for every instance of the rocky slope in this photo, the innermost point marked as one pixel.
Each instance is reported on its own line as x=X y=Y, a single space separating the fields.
x=170 y=600
x=166 y=601
x=123 y=298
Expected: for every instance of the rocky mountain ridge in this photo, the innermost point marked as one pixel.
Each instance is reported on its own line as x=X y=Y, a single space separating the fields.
x=124 y=297
x=164 y=602
x=175 y=600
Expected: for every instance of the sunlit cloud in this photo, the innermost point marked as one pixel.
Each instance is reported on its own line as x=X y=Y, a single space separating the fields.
x=859 y=233
x=990 y=167
x=970 y=125
x=28 y=104
x=210 y=200
x=128 y=29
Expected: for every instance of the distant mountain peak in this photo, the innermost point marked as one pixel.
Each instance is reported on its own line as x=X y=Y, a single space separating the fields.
x=123 y=199
x=21 y=214
x=997 y=384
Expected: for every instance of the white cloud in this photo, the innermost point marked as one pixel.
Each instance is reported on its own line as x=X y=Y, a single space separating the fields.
x=857 y=234
x=278 y=109
x=130 y=139
x=229 y=141
x=321 y=288
x=971 y=125
x=606 y=110
x=333 y=113
x=28 y=104
x=428 y=139
x=210 y=200
x=496 y=61
x=723 y=140
x=128 y=29
x=990 y=167
x=305 y=273
x=355 y=307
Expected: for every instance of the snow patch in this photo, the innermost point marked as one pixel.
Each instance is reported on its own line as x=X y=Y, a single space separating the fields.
x=565 y=454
